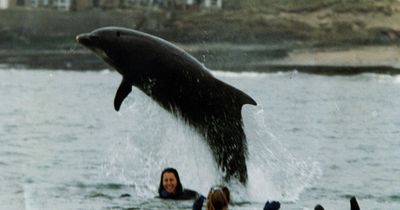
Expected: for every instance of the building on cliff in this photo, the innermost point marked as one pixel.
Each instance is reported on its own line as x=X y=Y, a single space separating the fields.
x=57 y=4
x=178 y=3
x=65 y=5
x=7 y=4
x=79 y=5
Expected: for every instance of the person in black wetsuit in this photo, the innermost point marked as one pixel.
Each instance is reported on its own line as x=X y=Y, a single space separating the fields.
x=171 y=186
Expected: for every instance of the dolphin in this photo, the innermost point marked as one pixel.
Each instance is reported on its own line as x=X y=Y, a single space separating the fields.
x=181 y=85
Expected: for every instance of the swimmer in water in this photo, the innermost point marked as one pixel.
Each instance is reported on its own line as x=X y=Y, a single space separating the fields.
x=171 y=187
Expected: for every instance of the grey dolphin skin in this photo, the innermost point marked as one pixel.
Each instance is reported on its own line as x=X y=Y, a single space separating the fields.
x=181 y=85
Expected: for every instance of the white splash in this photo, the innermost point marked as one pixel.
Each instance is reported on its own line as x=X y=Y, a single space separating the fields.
x=156 y=140
x=274 y=173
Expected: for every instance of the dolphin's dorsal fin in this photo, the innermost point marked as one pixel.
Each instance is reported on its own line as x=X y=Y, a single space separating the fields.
x=123 y=91
x=246 y=99
x=354 y=204
x=239 y=96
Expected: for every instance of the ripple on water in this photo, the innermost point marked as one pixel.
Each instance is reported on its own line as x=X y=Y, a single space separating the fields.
x=9 y=154
x=99 y=195
x=395 y=198
x=104 y=186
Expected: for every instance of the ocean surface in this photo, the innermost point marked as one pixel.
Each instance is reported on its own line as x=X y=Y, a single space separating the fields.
x=312 y=140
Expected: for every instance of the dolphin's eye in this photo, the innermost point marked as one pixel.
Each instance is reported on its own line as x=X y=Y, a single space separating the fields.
x=118 y=34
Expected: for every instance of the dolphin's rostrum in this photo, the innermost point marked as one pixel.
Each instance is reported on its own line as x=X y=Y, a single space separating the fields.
x=181 y=85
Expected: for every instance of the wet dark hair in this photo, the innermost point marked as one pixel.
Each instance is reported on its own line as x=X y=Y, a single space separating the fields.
x=224 y=189
x=179 y=188
x=218 y=198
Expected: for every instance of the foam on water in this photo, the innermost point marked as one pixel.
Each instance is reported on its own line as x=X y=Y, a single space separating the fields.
x=250 y=74
x=238 y=74
x=397 y=79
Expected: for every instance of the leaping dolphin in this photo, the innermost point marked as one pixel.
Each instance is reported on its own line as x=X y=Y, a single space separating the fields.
x=180 y=84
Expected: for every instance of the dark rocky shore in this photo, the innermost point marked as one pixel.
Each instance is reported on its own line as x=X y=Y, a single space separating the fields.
x=329 y=37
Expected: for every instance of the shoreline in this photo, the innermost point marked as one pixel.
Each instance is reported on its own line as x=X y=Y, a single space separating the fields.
x=357 y=60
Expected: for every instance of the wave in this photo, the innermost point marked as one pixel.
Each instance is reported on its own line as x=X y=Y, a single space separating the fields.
x=249 y=74
x=397 y=79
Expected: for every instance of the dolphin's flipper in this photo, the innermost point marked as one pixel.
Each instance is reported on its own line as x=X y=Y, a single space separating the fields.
x=123 y=91
x=354 y=204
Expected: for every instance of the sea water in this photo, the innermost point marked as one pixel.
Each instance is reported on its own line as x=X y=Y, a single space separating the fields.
x=312 y=139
